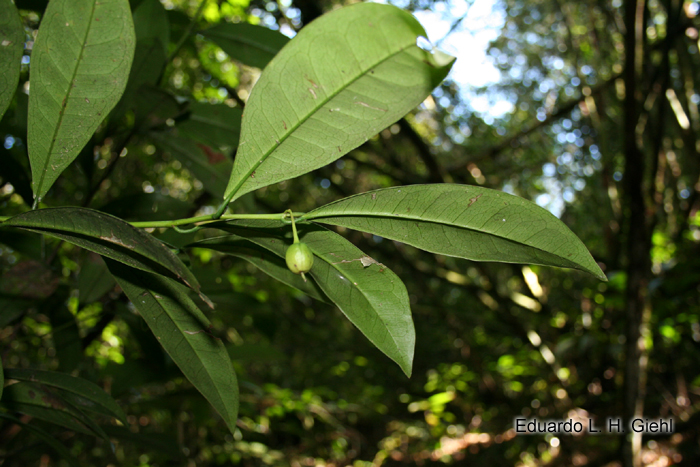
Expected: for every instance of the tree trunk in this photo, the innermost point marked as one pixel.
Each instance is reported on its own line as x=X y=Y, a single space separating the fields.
x=637 y=310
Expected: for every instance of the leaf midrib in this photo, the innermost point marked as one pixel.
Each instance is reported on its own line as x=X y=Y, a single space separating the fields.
x=302 y=121
x=413 y=218
x=65 y=104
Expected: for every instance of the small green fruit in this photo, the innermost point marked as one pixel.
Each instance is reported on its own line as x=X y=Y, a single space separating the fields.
x=299 y=258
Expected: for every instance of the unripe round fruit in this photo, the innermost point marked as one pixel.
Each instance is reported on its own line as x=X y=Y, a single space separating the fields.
x=299 y=258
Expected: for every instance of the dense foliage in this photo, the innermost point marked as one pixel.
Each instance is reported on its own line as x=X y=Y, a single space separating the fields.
x=185 y=129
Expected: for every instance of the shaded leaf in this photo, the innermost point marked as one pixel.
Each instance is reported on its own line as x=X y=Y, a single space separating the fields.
x=94 y=280
x=345 y=77
x=183 y=331
x=148 y=63
x=49 y=439
x=90 y=396
x=211 y=167
x=270 y=263
x=80 y=65
x=464 y=221
x=41 y=402
x=108 y=236
x=247 y=43
x=64 y=330
x=11 y=48
x=215 y=125
x=151 y=22
x=372 y=297
x=156 y=105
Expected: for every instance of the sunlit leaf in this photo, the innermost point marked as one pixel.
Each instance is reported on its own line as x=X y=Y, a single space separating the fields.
x=342 y=79
x=372 y=297
x=89 y=395
x=247 y=43
x=108 y=236
x=184 y=332
x=11 y=48
x=80 y=65
x=464 y=221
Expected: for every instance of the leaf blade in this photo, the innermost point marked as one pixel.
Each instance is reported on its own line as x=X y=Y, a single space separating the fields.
x=108 y=236
x=11 y=48
x=469 y=222
x=71 y=384
x=248 y=43
x=75 y=84
x=347 y=76
x=182 y=330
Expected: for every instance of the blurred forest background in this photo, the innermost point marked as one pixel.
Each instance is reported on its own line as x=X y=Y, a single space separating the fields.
x=602 y=126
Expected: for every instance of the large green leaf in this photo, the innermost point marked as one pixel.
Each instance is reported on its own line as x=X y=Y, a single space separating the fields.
x=183 y=331
x=87 y=395
x=210 y=166
x=270 y=263
x=215 y=125
x=247 y=43
x=108 y=236
x=344 y=77
x=11 y=48
x=464 y=221
x=80 y=65
x=60 y=449
x=371 y=296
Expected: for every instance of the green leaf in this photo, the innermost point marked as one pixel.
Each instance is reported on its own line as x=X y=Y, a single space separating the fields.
x=209 y=166
x=463 y=221
x=47 y=404
x=2 y=378
x=149 y=60
x=372 y=297
x=183 y=331
x=269 y=263
x=215 y=125
x=152 y=32
x=65 y=332
x=45 y=437
x=11 y=48
x=108 y=236
x=344 y=77
x=151 y=22
x=80 y=65
x=94 y=280
x=90 y=396
x=247 y=43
